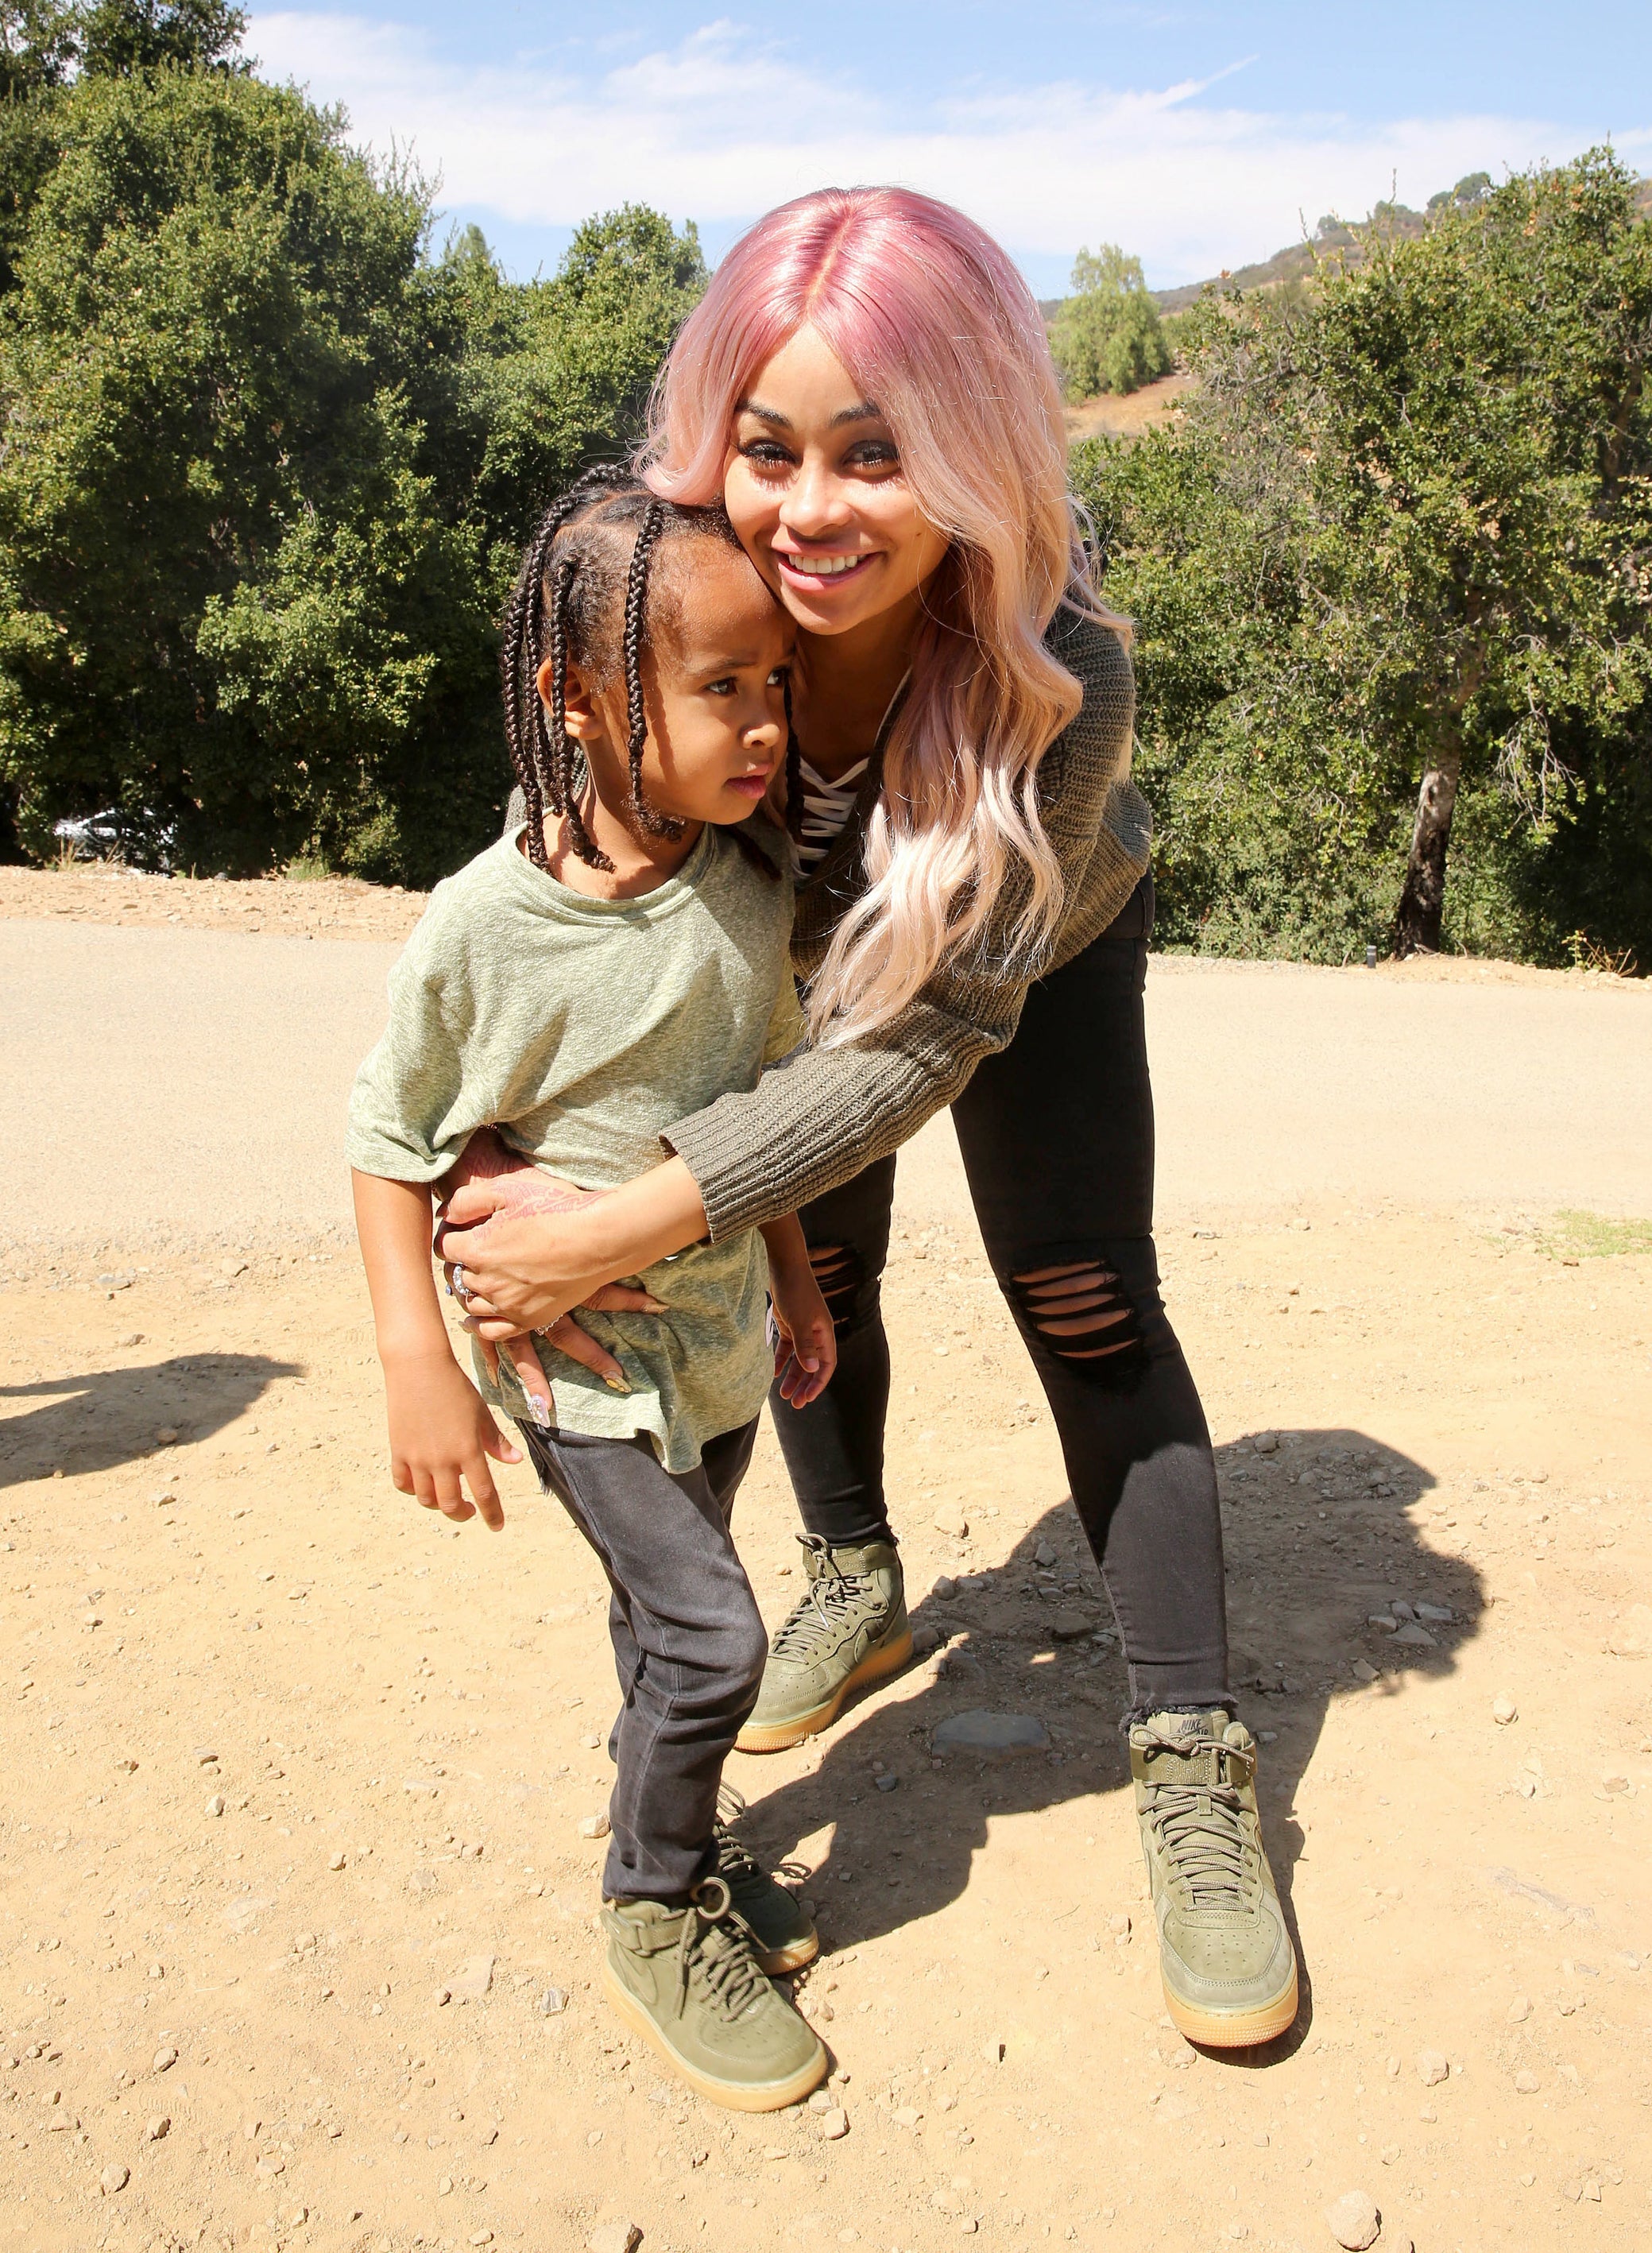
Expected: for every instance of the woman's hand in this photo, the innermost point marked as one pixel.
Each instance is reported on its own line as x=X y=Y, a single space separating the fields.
x=532 y=1249
x=491 y=1180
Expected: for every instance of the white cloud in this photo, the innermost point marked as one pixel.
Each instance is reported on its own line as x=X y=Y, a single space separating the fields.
x=724 y=125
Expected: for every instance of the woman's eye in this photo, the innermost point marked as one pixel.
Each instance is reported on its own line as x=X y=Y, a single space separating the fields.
x=877 y=454
x=765 y=454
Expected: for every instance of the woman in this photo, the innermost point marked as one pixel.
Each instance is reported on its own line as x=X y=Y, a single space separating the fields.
x=868 y=385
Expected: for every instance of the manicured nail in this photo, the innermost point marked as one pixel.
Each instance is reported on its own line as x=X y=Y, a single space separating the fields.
x=616 y=1384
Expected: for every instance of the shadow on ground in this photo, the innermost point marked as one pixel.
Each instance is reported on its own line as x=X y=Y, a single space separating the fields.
x=104 y=1417
x=1322 y=1532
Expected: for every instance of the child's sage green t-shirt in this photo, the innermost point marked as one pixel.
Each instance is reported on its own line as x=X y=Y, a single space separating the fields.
x=582 y=1028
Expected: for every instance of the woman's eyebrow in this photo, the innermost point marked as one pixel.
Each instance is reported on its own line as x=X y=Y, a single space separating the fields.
x=864 y=412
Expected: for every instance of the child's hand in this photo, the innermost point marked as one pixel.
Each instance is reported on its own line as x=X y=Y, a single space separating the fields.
x=441 y=1433
x=807 y=1345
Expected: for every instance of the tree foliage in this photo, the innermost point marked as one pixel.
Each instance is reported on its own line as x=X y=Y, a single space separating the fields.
x=268 y=464
x=1106 y=336
x=1394 y=577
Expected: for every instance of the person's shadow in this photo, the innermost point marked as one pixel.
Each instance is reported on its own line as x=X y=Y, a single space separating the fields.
x=102 y=1417
x=1320 y=1536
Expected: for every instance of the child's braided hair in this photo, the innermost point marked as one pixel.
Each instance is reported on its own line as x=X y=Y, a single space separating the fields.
x=583 y=594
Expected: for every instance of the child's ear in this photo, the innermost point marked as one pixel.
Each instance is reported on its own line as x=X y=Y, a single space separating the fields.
x=580 y=714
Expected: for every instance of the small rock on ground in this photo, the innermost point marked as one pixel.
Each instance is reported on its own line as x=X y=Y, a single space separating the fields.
x=1433 y=2066
x=474 y=1978
x=1354 y=2220
x=1504 y=1710
x=113 y=2179
x=594 y=1826
x=615 y=2237
x=834 y=2123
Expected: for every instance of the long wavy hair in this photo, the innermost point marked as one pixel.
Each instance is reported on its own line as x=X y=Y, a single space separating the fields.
x=935 y=324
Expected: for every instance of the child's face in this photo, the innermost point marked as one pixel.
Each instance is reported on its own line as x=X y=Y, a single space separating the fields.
x=714 y=675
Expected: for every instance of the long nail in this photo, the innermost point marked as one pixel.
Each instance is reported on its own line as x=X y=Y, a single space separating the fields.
x=616 y=1384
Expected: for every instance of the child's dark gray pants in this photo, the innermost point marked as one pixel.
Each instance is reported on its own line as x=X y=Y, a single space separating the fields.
x=688 y=1641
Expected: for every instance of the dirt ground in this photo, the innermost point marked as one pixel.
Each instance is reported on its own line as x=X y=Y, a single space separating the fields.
x=295 y=1953
x=1126 y=415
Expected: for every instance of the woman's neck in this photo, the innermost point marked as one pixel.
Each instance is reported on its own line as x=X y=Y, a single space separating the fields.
x=844 y=685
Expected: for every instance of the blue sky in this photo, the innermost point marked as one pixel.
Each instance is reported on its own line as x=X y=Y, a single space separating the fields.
x=1198 y=136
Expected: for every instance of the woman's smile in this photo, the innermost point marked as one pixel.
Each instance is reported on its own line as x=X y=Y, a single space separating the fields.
x=814 y=571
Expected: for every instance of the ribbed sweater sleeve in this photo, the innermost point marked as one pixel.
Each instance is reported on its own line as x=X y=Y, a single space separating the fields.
x=825 y=1114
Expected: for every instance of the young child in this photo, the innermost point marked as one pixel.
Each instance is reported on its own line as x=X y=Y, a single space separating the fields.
x=612 y=967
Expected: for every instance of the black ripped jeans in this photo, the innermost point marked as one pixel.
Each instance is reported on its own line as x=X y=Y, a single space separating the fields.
x=1057 y=1135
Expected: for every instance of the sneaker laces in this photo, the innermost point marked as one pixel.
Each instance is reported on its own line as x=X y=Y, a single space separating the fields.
x=1202 y=1829
x=716 y=1942
x=824 y=1609
x=736 y=1863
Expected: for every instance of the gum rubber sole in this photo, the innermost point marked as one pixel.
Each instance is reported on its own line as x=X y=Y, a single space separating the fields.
x=780 y=1962
x=733 y=2096
x=777 y=1735
x=1234 y=2029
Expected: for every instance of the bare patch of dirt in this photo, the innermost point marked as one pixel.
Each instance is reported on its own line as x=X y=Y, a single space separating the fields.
x=330 y=907
x=1126 y=415
x=211 y=1599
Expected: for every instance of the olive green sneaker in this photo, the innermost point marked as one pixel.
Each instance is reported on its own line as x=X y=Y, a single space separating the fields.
x=687 y=1981
x=783 y=1938
x=849 y=1629
x=1224 y=1955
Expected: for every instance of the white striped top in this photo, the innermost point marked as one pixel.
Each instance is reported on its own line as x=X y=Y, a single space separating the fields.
x=826 y=807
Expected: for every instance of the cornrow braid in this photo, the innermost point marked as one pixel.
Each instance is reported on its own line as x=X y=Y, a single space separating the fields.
x=648 y=533
x=523 y=631
x=564 y=781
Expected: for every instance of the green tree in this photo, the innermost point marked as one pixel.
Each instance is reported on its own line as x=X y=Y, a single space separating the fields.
x=560 y=371
x=269 y=467
x=39 y=45
x=1106 y=336
x=1408 y=527
x=44 y=42
x=202 y=373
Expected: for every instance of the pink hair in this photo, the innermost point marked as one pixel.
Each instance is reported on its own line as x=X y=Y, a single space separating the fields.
x=935 y=324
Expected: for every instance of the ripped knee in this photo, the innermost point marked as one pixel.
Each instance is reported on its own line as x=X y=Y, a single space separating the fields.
x=839 y=1272
x=1080 y=1312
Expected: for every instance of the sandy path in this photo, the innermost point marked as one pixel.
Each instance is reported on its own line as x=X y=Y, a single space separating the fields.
x=1466 y=1425
x=191 y=1083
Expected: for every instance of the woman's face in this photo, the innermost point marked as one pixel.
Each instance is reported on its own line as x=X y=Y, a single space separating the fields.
x=815 y=487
